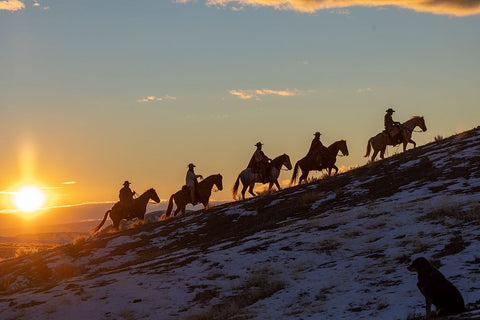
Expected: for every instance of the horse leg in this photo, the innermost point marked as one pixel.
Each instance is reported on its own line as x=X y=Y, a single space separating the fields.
x=278 y=185
x=382 y=152
x=375 y=152
x=412 y=142
x=336 y=169
x=250 y=189
x=116 y=224
x=206 y=205
x=244 y=189
x=179 y=207
x=304 y=176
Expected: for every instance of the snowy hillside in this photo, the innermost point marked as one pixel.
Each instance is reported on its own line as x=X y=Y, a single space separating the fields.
x=337 y=248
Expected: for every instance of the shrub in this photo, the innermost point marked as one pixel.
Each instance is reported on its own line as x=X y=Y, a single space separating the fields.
x=438 y=138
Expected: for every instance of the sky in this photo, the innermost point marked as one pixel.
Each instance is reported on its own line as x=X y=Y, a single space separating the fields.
x=95 y=93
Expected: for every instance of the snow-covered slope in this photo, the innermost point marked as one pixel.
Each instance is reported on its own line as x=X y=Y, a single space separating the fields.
x=337 y=248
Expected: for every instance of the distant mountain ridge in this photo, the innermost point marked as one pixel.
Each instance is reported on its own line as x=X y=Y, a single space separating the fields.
x=336 y=248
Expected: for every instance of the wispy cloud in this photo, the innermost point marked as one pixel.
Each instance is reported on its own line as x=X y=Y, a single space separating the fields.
x=11 y=5
x=364 y=90
x=257 y=93
x=36 y=3
x=156 y=99
x=444 y=7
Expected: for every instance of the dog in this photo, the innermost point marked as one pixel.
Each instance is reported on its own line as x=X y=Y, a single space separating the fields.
x=436 y=289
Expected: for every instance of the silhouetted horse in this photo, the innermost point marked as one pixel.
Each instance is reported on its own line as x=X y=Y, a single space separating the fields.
x=381 y=140
x=204 y=190
x=118 y=212
x=320 y=161
x=249 y=176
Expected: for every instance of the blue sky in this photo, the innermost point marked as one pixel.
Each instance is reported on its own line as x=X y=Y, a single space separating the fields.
x=101 y=92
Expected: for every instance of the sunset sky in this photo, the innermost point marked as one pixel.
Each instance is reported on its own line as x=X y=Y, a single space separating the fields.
x=98 y=92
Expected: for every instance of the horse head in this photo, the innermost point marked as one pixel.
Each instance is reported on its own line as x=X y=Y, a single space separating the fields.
x=152 y=194
x=343 y=147
x=422 y=124
x=218 y=181
x=286 y=161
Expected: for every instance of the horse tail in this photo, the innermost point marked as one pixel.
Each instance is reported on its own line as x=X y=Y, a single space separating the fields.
x=369 y=147
x=101 y=223
x=170 y=207
x=295 y=172
x=235 y=187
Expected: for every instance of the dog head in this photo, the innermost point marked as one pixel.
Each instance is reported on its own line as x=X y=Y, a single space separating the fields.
x=420 y=264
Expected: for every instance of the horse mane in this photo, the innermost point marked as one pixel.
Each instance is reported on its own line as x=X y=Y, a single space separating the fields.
x=336 y=142
x=211 y=177
x=145 y=193
x=278 y=158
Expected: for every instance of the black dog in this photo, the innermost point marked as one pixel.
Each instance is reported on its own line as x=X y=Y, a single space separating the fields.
x=436 y=289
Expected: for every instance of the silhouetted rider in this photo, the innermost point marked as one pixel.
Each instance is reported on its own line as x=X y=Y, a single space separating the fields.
x=316 y=147
x=191 y=182
x=260 y=162
x=126 y=196
x=391 y=127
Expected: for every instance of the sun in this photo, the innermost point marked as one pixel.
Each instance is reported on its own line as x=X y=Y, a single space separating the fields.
x=29 y=199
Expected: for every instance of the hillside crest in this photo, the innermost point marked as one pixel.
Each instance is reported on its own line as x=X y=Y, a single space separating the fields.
x=336 y=248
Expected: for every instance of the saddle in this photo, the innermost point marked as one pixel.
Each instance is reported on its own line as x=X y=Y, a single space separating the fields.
x=397 y=137
x=258 y=171
x=186 y=191
x=125 y=207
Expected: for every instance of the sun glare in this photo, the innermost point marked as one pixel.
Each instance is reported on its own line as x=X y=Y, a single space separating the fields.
x=29 y=199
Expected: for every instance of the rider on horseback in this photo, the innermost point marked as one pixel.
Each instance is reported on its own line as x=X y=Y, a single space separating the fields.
x=126 y=196
x=392 y=127
x=191 y=182
x=260 y=162
x=317 y=146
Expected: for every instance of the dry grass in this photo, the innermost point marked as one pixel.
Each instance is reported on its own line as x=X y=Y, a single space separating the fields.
x=309 y=197
x=456 y=212
x=80 y=240
x=261 y=283
x=25 y=251
x=438 y=138
x=265 y=192
x=67 y=270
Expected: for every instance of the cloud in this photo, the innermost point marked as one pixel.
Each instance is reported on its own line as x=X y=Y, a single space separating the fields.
x=443 y=7
x=36 y=3
x=256 y=93
x=11 y=5
x=363 y=90
x=156 y=99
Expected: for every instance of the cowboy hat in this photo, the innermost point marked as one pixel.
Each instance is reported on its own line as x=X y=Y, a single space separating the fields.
x=258 y=144
x=390 y=110
x=317 y=134
x=191 y=165
x=126 y=183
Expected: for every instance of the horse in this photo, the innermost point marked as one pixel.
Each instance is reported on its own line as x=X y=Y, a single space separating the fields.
x=118 y=212
x=380 y=141
x=204 y=190
x=249 y=176
x=320 y=161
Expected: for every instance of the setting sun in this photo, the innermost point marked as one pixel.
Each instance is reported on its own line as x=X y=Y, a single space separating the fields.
x=29 y=199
